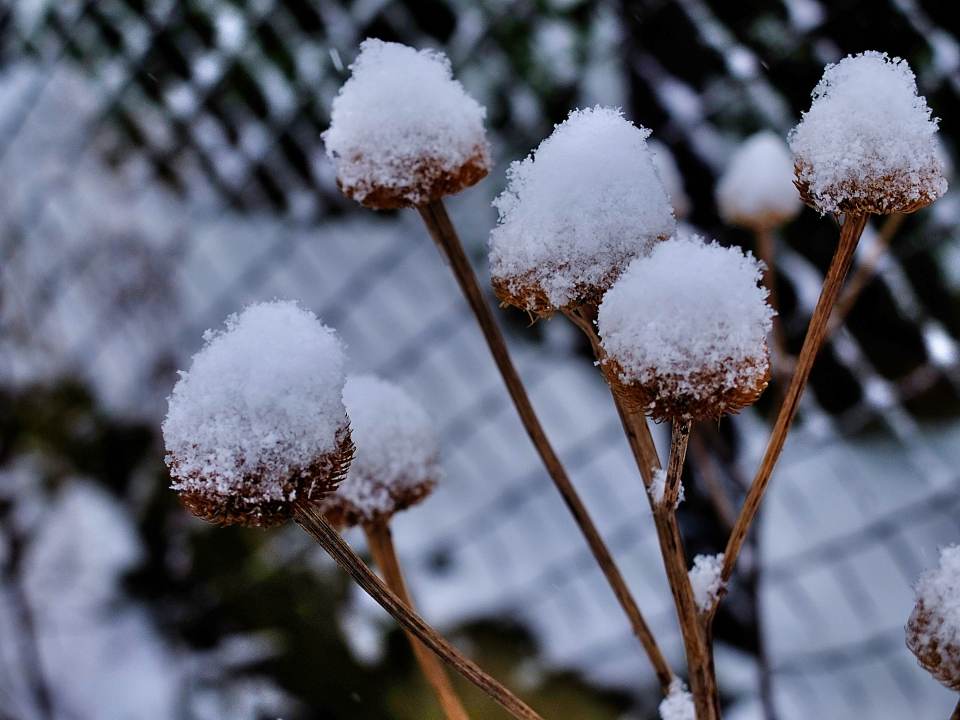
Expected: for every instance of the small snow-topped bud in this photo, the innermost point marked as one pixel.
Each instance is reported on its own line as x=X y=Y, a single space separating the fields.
x=575 y=212
x=670 y=176
x=403 y=132
x=258 y=421
x=684 y=330
x=397 y=458
x=933 y=631
x=678 y=704
x=757 y=189
x=867 y=144
x=705 y=579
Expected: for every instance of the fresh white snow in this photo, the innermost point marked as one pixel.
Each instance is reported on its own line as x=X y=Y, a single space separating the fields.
x=867 y=129
x=580 y=207
x=689 y=308
x=264 y=394
x=397 y=451
x=705 y=579
x=678 y=704
x=757 y=190
x=401 y=107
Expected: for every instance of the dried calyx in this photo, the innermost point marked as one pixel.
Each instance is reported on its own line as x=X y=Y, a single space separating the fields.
x=933 y=631
x=403 y=132
x=756 y=191
x=868 y=142
x=683 y=331
x=258 y=422
x=397 y=460
x=584 y=204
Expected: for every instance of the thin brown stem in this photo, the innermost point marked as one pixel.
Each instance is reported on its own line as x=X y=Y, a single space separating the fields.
x=678 y=454
x=956 y=712
x=380 y=541
x=850 y=233
x=313 y=522
x=441 y=230
x=703 y=684
x=862 y=276
x=767 y=253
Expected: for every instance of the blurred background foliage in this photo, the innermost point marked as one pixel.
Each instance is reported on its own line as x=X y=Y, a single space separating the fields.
x=226 y=101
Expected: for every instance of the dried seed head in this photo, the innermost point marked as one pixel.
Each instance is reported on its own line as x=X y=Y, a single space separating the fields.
x=584 y=204
x=756 y=191
x=403 y=132
x=683 y=331
x=397 y=461
x=933 y=630
x=868 y=142
x=258 y=421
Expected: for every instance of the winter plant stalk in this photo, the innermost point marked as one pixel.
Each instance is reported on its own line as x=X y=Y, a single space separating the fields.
x=866 y=146
x=257 y=433
x=396 y=466
x=433 y=148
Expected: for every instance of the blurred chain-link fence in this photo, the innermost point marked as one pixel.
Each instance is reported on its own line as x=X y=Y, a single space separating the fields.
x=162 y=166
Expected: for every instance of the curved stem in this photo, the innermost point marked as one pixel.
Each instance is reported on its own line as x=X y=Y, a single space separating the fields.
x=313 y=522
x=441 y=230
x=380 y=541
x=703 y=684
x=850 y=232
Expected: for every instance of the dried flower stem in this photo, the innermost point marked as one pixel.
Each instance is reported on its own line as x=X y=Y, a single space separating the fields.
x=767 y=253
x=956 y=712
x=380 y=541
x=850 y=232
x=312 y=521
x=441 y=230
x=864 y=273
x=703 y=684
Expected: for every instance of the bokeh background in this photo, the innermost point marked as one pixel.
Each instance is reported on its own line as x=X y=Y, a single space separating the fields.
x=161 y=166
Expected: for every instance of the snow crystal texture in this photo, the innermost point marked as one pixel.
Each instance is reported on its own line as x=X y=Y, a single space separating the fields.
x=705 y=579
x=397 y=452
x=678 y=704
x=401 y=106
x=868 y=138
x=689 y=308
x=262 y=398
x=757 y=190
x=579 y=208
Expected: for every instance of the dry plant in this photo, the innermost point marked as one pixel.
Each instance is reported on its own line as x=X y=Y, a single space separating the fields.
x=258 y=431
x=430 y=149
x=250 y=433
x=396 y=466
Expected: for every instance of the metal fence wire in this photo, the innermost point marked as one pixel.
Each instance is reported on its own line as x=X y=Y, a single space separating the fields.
x=162 y=166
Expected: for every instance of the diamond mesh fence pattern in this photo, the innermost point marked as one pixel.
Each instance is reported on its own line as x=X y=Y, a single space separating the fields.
x=163 y=167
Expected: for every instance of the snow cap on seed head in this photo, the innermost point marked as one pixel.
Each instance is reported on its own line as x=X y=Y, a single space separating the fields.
x=258 y=421
x=756 y=191
x=397 y=463
x=575 y=212
x=403 y=131
x=683 y=331
x=867 y=144
x=933 y=631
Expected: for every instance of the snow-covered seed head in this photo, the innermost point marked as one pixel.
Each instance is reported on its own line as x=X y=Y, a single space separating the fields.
x=683 y=331
x=575 y=212
x=403 y=132
x=933 y=631
x=757 y=190
x=397 y=459
x=868 y=143
x=258 y=421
